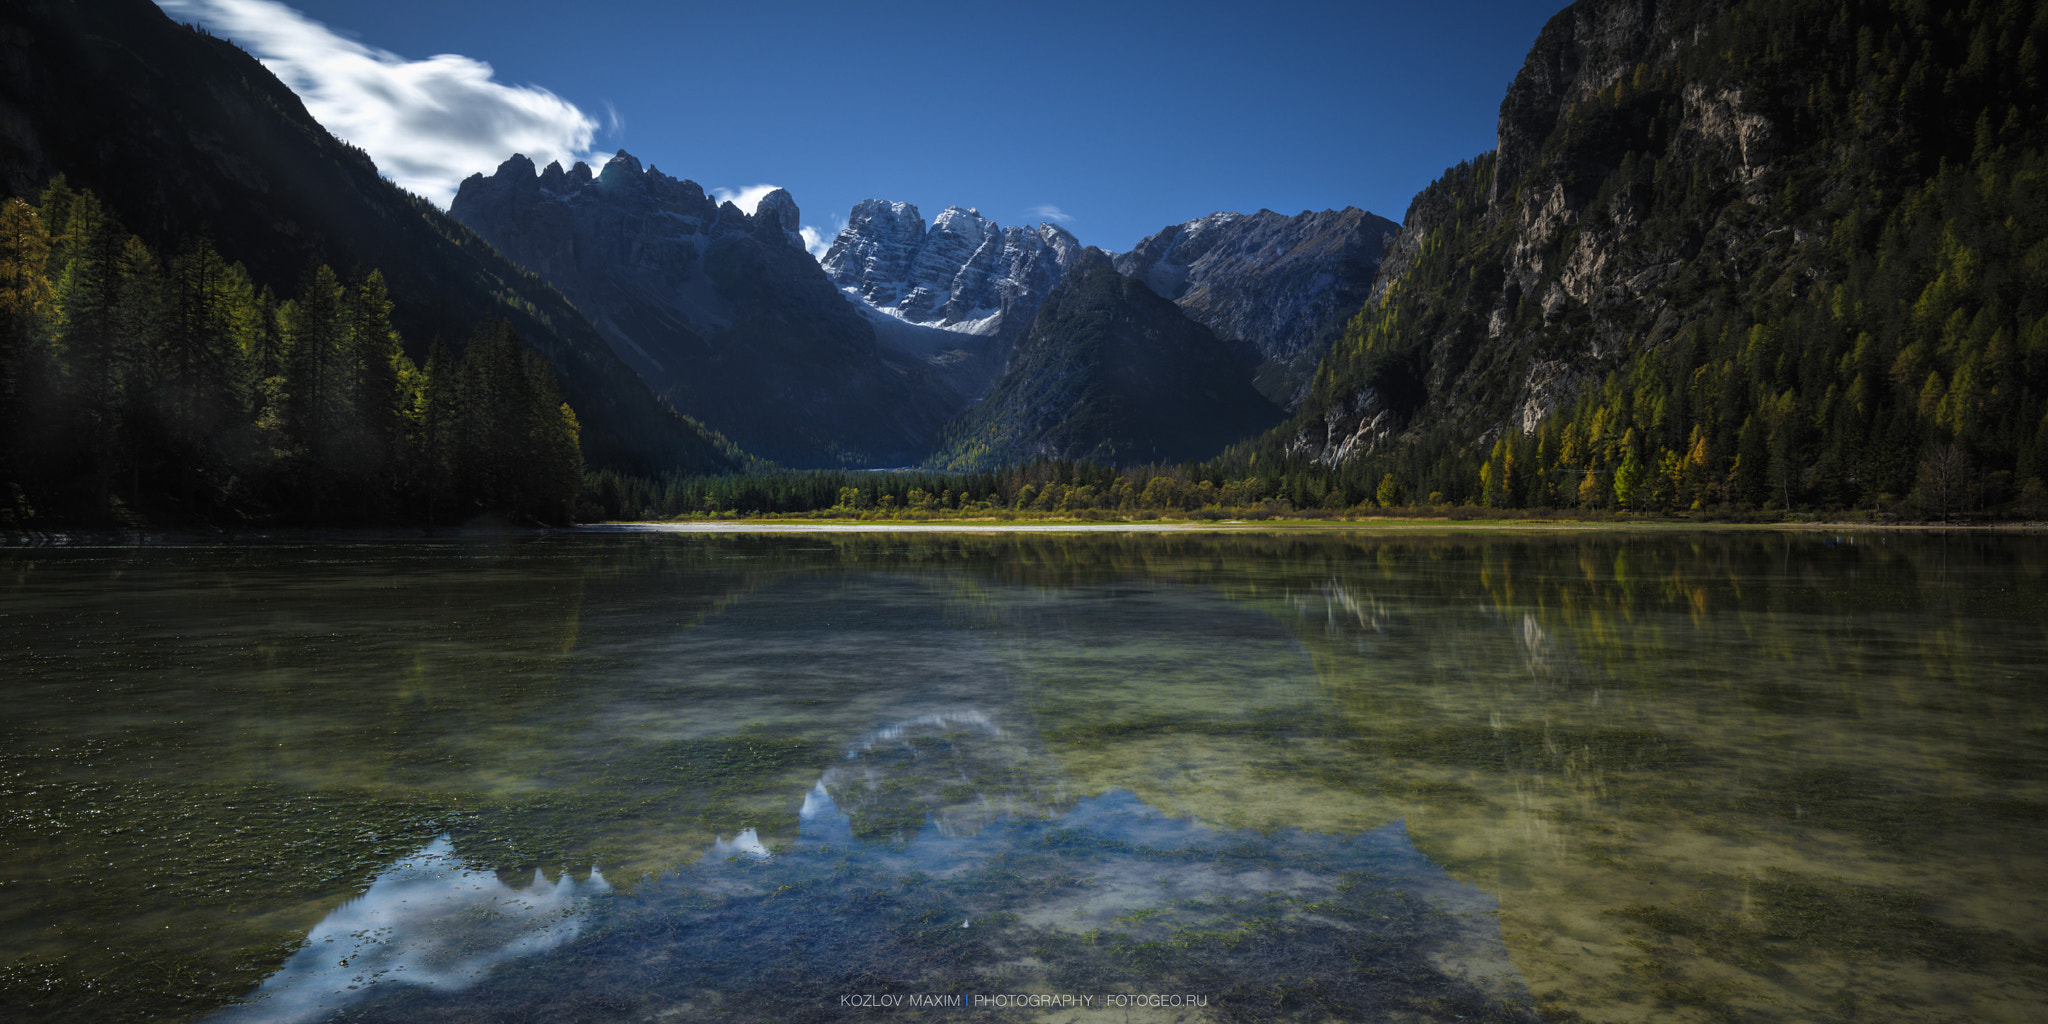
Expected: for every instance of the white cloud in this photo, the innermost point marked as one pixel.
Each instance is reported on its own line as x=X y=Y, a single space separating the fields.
x=747 y=199
x=819 y=243
x=1052 y=213
x=814 y=243
x=427 y=123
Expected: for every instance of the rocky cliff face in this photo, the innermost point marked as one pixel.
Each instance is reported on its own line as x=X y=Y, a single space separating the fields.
x=1632 y=187
x=1111 y=372
x=957 y=294
x=965 y=273
x=722 y=312
x=1283 y=285
x=1279 y=285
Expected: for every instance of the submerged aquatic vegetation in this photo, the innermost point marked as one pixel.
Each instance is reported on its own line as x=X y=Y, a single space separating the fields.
x=1746 y=777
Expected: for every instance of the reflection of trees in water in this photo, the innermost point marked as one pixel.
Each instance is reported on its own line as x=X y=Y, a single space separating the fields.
x=1696 y=758
x=1561 y=718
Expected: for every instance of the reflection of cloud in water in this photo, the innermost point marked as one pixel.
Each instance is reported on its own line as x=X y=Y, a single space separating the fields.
x=430 y=920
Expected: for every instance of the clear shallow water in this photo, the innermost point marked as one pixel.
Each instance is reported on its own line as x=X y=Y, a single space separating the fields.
x=1639 y=777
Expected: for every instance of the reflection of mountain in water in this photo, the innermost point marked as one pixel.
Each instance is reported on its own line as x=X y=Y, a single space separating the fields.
x=1112 y=896
x=430 y=920
x=958 y=769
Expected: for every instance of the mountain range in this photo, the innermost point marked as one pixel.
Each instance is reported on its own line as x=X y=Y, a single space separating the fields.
x=1110 y=371
x=724 y=314
x=1284 y=285
x=1724 y=253
x=956 y=294
x=721 y=312
x=185 y=135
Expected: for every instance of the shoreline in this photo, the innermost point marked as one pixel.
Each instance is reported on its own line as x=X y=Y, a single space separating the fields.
x=100 y=537
x=1389 y=525
x=282 y=536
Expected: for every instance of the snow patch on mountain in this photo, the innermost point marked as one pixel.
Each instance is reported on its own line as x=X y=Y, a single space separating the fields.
x=964 y=273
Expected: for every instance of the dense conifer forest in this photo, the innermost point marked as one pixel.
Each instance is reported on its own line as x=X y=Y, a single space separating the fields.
x=1895 y=357
x=138 y=386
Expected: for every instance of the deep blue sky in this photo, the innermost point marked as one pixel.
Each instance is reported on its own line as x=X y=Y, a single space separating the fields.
x=1125 y=116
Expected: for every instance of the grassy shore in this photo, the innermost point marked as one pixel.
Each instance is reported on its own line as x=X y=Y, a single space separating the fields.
x=1374 y=524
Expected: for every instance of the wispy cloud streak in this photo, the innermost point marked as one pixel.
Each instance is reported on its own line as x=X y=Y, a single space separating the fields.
x=427 y=123
x=1052 y=213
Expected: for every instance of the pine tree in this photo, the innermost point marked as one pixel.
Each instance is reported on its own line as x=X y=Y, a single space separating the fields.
x=374 y=364
x=25 y=304
x=314 y=346
x=203 y=381
x=441 y=430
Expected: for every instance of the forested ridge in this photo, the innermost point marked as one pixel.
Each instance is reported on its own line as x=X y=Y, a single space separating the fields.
x=1852 y=316
x=181 y=134
x=145 y=387
x=1785 y=257
x=1732 y=259
x=1110 y=372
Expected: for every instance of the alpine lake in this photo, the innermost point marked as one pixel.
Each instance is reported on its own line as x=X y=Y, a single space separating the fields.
x=1407 y=775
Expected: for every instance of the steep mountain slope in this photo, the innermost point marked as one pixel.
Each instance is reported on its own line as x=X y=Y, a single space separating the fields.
x=723 y=313
x=1285 y=285
x=957 y=294
x=1110 y=372
x=184 y=134
x=1792 y=253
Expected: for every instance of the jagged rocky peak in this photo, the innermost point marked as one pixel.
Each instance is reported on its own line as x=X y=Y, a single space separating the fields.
x=777 y=213
x=1282 y=285
x=872 y=254
x=1090 y=258
x=520 y=169
x=553 y=178
x=722 y=311
x=962 y=273
x=619 y=166
x=1110 y=371
x=627 y=184
x=778 y=208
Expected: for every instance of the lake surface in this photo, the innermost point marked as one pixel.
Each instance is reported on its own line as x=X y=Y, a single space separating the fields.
x=1112 y=777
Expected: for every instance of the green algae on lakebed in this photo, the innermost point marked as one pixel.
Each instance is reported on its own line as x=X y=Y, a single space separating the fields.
x=1736 y=775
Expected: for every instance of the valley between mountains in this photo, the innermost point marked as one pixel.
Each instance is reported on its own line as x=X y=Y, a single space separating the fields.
x=912 y=342
x=1727 y=259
